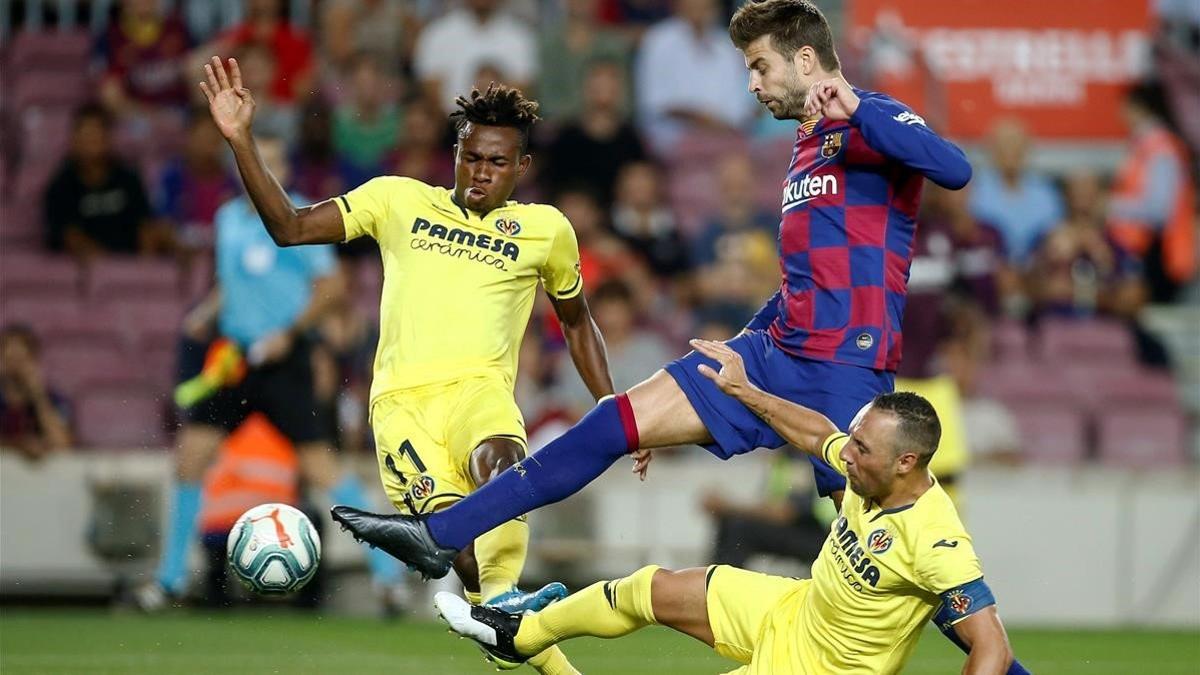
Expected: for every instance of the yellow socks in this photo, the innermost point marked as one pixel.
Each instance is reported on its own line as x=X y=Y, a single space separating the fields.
x=501 y=556
x=607 y=609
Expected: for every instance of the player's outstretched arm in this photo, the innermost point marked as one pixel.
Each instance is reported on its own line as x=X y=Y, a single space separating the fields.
x=802 y=427
x=982 y=632
x=232 y=108
x=585 y=344
x=892 y=130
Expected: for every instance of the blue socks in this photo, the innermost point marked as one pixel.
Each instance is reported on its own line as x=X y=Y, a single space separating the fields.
x=385 y=570
x=185 y=509
x=551 y=474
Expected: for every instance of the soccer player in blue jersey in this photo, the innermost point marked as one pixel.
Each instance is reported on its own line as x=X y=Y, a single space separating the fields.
x=829 y=339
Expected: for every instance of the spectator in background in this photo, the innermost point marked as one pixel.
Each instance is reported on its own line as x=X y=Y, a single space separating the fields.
x=602 y=255
x=192 y=187
x=478 y=33
x=383 y=27
x=95 y=203
x=266 y=26
x=648 y=227
x=366 y=126
x=689 y=77
x=568 y=51
x=1022 y=204
x=1152 y=215
x=144 y=52
x=34 y=419
x=1076 y=268
x=421 y=153
x=992 y=434
x=273 y=116
x=314 y=160
x=632 y=349
x=954 y=256
x=737 y=211
x=593 y=147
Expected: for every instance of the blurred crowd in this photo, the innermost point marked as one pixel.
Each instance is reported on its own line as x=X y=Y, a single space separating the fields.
x=650 y=145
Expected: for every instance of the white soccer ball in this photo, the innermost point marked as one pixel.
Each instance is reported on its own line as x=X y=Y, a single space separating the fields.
x=274 y=549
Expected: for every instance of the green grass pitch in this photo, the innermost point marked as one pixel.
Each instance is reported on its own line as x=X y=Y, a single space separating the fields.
x=62 y=642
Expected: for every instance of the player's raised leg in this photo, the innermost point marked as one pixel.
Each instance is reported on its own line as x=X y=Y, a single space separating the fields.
x=564 y=466
x=499 y=556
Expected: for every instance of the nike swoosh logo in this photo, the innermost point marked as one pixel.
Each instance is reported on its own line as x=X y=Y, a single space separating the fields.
x=946 y=544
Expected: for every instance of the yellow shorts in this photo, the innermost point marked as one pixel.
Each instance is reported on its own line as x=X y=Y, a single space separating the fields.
x=752 y=617
x=424 y=438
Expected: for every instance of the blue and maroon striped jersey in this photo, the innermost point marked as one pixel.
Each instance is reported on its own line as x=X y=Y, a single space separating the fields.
x=846 y=235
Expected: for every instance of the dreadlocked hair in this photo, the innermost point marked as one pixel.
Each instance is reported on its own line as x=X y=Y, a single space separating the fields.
x=499 y=106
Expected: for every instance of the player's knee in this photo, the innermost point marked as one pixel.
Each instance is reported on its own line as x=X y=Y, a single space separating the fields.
x=493 y=456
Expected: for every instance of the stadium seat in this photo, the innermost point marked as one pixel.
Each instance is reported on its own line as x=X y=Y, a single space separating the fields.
x=132 y=277
x=153 y=313
x=1141 y=437
x=1109 y=385
x=1024 y=382
x=77 y=361
x=51 y=89
x=46 y=133
x=1090 y=341
x=121 y=417
x=58 y=50
x=30 y=182
x=1052 y=433
x=37 y=274
x=1010 y=340
x=706 y=148
x=158 y=355
x=46 y=314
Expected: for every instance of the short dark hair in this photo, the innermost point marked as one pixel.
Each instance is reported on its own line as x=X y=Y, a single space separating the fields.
x=613 y=290
x=918 y=429
x=23 y=333
x=499 y=106
x=792 y=24
x=92 y=112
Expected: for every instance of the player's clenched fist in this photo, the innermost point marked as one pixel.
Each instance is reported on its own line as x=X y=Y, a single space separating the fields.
x=731 y=379
x=230 y=103
x=833 y=99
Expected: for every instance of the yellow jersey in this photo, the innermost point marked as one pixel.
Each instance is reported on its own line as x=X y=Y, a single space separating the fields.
x=458 y=286
x=879 y=578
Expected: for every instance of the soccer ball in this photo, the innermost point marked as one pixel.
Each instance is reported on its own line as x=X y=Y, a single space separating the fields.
x=274 y=549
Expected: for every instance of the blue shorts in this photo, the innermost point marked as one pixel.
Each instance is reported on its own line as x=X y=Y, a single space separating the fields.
x=836 y=390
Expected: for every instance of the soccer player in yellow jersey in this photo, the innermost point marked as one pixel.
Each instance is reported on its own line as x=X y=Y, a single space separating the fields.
x=896 y=554
x=461 y=268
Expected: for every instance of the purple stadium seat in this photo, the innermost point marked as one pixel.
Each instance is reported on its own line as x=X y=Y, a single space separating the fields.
x=58 y=50
x=121 y=417
x=1141 y=437
x=76 y=362
x=51 y=89
x=46 y=133
x=132 y=277
x=37 y=274
x=31 y=180
x=1010 y=341
x=1109 y=385
x=1024 y=382
x=1063 y=340
x=1052 y=433
x=153 y=313
x=45 y=313
x=707 y=148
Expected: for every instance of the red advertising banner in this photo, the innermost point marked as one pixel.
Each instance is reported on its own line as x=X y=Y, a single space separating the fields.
x=1061 y=66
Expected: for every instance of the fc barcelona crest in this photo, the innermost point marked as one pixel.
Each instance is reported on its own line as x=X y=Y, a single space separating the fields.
x=831 y=145
x=509 y=227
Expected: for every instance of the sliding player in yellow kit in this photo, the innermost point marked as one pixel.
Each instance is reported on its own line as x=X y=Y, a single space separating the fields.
x=895 y=555
x=461 y=269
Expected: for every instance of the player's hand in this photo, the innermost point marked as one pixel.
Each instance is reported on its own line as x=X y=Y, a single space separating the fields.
x=732 y=378
x=832 y=99
x=641 y=462
x=231 y=105
x=270 y=349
